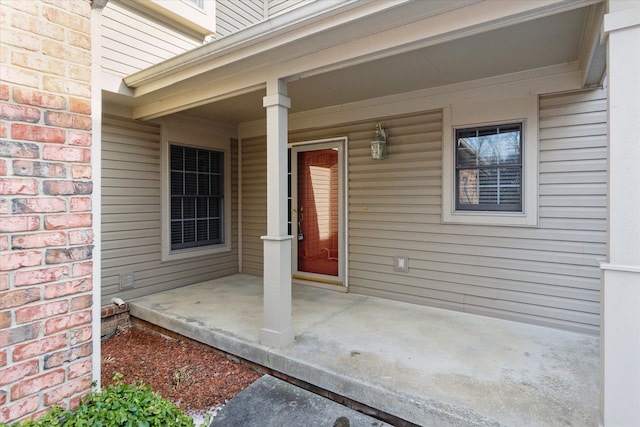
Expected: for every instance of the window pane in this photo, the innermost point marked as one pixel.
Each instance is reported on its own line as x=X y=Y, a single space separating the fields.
x=177 y=183
x=197 y=201
x=203 y=184
x=489 y=168
x=190 y=184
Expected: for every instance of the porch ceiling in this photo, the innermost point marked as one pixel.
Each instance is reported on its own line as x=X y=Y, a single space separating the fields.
x=545 y=42
x=553 y=40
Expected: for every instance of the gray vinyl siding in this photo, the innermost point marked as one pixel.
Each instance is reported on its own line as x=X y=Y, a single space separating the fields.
x=132 y=41
x=131 y=216
x=254 y=204
x=236 y=15
x=545 y=275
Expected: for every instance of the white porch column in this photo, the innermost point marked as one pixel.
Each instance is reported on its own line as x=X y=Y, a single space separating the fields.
x=620 y=285
x=277 y=330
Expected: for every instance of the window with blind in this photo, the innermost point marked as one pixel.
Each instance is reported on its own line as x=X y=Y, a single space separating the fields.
x=488 y=168
x=196 y=197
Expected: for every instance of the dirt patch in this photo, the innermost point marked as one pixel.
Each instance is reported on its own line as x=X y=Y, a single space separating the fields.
x=192 y=375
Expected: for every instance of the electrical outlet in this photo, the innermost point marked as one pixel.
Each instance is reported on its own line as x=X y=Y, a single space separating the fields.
x=401 y=263
x=127 y=281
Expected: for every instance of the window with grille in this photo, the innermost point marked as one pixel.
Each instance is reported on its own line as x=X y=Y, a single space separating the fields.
x=197 y=197
x=488 y=162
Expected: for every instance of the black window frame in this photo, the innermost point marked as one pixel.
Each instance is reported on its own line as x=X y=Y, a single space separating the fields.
x=492 y=167
x=196 y=197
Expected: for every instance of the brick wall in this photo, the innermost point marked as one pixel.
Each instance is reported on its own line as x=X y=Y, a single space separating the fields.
x=45 y=205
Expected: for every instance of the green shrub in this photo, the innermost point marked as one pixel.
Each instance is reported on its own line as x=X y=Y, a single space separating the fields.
x=120 y=405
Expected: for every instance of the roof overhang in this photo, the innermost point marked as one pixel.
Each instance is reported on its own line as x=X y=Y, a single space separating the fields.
x=350 y=50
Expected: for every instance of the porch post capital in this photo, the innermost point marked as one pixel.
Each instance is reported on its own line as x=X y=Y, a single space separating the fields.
x=278 y=100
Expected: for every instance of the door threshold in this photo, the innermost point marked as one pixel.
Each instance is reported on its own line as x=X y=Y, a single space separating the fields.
x=333 y=285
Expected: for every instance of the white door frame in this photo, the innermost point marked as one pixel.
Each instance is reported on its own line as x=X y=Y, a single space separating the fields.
x=319 y=280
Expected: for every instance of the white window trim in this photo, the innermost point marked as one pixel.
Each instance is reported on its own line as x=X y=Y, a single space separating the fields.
x=478 y=113
x=183 y=13
x=172 y=255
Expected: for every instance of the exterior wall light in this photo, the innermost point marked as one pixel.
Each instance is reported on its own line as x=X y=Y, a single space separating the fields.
x=379 y=144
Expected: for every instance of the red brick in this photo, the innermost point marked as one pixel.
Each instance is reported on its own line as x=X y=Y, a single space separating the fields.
x=80 y=73
x=5 y=319
x=59 y=256
x=3 y=167
x=38 y=205
x=58 y=222
x=19 y=334
x=24 y=150
x=67 y=20
x=39 y=169
x=81 y=269
x=3 y=359
x=19 y=371
x=41 y=311
x=67 y=120
x=3 y=397
x=4 y=282
x=18 y=75
x=18 y=297
x=38 y=240
x=4 y=93
x=80 y=138
x=16 y=260
x=4 y=206
x=39 y=347
x=81 y=302
x=67 y=154
x=66 y=87
x=80 y=40
x=80 y=237
x=80 y=336
x=3 y=130
x=80 y=204
x=66 y=187
x=36 y=61
x=19 y=113
x=36 y=384
x=18 y=186
x=81 y=171
x=68 y=389
x=34 y=277
x=21 y=39
x=19 y=223
x=38 y=133
x=34 y=25
x=69 y=355
x=21 y=408
x=68 y=288
x=75 y=401
x=68 y=321
x=4 y=243
x=80 y=368
x=82 y=106
x=39 y=99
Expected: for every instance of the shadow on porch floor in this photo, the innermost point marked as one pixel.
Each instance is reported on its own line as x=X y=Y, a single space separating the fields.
x=425 y=365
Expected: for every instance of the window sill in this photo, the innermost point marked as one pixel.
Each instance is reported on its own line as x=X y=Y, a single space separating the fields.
x=514 y=219
x=195 y=252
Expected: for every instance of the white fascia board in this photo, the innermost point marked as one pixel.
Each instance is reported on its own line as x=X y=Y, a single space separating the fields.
x=472 y=19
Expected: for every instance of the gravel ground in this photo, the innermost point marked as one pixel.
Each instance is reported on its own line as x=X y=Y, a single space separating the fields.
x=193 y=376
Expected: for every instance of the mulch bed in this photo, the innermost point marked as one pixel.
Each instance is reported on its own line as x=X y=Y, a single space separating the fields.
x=192 y=375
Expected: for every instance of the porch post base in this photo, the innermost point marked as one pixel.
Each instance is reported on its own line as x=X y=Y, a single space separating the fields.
x=277 y=339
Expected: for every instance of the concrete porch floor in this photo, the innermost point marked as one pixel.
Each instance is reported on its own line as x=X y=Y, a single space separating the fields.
x=429 y=366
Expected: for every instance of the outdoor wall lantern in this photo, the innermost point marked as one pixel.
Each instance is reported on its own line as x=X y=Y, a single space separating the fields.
x=379 y=144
